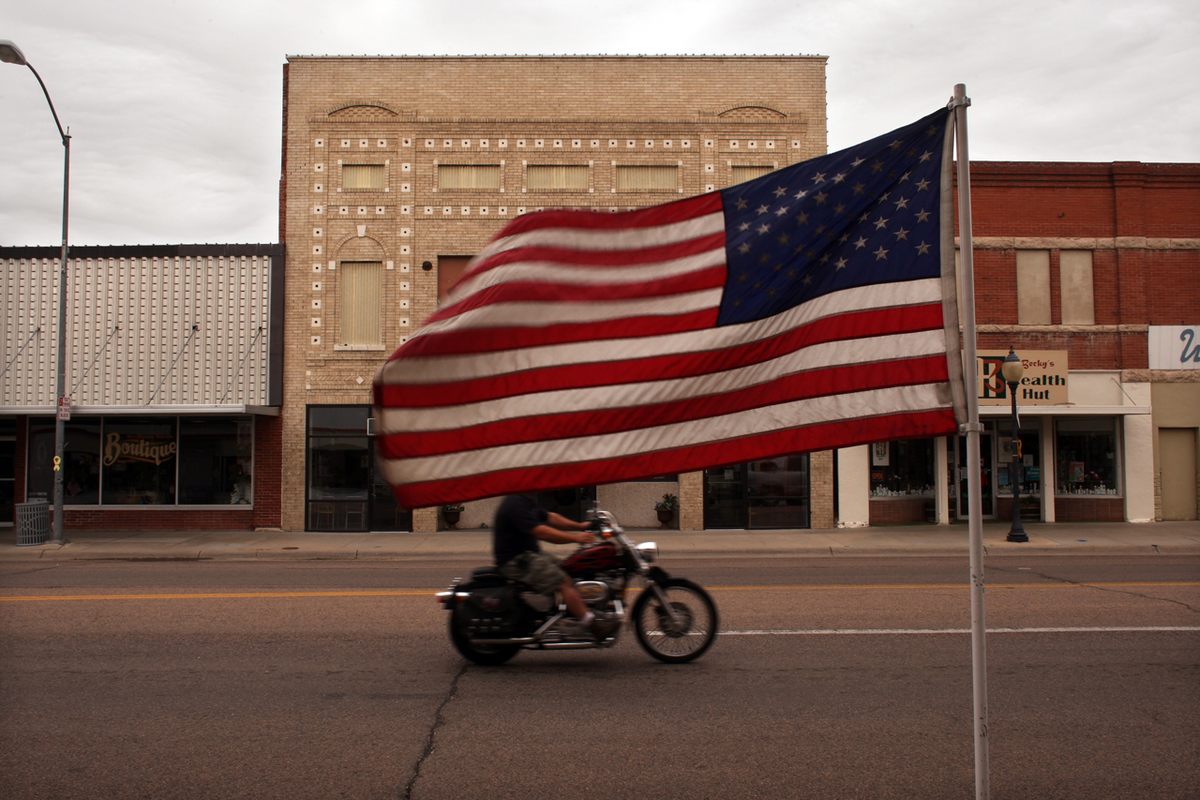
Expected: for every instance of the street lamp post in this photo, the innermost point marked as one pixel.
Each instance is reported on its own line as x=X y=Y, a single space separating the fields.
x=1012 y=370
x=11 y=54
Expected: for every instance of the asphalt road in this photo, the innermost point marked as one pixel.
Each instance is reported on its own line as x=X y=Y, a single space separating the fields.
x=833 y=678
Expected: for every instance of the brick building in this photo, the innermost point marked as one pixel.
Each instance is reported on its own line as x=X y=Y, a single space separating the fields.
x=397 y=170
x=1090 y=272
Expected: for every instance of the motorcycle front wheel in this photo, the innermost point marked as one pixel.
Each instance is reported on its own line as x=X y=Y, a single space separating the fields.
x=682 y=634
x=486 y=655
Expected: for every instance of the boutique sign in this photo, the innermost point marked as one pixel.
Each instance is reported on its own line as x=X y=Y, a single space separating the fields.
x=1174 y=347
x=1044 y=381
x=137 y=448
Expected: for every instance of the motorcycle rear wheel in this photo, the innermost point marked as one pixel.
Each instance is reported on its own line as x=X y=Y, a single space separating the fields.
x=694 y=629
x=485 y=655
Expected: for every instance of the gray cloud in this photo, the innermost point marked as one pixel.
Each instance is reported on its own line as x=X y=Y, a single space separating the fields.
x=175 y=108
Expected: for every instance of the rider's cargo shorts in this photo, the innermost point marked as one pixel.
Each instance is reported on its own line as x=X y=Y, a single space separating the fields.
x=536 y=569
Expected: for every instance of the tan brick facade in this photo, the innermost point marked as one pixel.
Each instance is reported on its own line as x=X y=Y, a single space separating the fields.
x=696 y=118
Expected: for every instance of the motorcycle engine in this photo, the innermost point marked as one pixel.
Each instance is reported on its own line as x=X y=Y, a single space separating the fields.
x=594 y=593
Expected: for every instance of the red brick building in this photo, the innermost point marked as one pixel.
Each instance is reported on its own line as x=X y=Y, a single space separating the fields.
x=1095 y=267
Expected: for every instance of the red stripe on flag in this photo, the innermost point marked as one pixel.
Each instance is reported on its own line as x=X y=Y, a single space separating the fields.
x=545 y=427
x=598 y=258
x=544 y=292
x=852 y=325
x=669 y=213
x=488 y=340
x=821 y=436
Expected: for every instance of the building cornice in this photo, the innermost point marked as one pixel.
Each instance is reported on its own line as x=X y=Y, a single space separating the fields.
x=1083 y=243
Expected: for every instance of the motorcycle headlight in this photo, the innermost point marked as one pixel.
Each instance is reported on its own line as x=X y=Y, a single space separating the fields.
x=648 y=551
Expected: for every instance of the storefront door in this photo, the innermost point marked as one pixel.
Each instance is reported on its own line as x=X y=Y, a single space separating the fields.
x=344 y=491
x=8 y=473
x=725 y=497
x=985 y=477
x=1178 y=458
x=1030 y=472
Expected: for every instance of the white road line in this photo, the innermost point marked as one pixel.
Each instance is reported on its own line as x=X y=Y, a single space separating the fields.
x=944 y=631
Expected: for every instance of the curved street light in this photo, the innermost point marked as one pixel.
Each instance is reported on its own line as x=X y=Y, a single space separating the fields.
x=1012 y=369
x=11 y=54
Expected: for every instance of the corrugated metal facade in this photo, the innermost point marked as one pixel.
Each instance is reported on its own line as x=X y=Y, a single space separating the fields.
x=175 y=326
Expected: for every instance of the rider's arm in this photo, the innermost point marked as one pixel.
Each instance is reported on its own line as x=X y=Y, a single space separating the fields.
x=556 y=536
x=565 y=524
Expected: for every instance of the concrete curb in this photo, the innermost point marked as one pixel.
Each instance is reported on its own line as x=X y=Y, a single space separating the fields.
x=1174 y=539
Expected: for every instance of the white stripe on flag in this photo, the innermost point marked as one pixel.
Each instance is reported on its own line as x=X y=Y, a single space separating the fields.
x=631 y=395
x=608 y=239
x=536 y=314
x=543 y=271
x=441 y=369
x=782 y=416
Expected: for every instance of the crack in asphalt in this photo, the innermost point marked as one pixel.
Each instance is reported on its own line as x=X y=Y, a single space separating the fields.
x=31 y=571
x=438 y=720
x=1112 y=589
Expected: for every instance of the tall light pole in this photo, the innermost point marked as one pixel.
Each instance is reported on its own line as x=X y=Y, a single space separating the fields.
x=11 y=54
x=1012 y=370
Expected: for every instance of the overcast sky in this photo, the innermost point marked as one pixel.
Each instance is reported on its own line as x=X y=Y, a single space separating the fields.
x=175 y=107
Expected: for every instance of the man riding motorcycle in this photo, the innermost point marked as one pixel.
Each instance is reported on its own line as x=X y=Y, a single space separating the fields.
x=519 y=527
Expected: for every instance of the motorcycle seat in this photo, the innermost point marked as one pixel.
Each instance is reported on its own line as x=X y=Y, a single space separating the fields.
x=492 y=576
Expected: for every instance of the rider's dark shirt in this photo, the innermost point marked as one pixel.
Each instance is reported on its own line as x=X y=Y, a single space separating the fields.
x=513 y=528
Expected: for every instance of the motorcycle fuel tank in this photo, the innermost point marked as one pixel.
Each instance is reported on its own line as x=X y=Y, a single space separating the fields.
x=589 y=559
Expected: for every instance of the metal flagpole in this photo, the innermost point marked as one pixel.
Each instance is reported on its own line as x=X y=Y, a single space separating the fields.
x=959 y=104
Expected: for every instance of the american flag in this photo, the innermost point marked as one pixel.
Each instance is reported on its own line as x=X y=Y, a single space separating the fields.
x=807 y=309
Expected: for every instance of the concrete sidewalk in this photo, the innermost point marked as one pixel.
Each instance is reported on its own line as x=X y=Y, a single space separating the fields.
x=1166 y=538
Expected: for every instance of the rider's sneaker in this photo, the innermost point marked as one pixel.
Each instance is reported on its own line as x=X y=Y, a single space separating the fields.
x=569 y=626
x=604 y=626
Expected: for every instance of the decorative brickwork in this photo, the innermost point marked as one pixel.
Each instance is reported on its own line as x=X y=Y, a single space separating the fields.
x=414 y=113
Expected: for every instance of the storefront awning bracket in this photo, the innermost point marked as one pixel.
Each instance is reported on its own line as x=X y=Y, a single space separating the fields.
x=233 y=382
x=12 y=360
x=186 y=342
x=88 y=371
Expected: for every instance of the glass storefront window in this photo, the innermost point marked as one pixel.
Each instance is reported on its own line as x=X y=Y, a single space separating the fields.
x=338 y=420
x=81 y=461
x=139 y=461
x=902 y=468
x=777 y=492
x=214 y=461
x=1086 y=456
x=768 y=493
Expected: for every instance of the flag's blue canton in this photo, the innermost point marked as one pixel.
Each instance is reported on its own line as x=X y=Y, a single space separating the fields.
x=867 y=214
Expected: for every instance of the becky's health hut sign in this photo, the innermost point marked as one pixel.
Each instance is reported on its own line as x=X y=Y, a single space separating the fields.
x=1044 y=381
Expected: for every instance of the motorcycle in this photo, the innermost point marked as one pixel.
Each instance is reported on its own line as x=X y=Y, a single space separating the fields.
x=492 y=618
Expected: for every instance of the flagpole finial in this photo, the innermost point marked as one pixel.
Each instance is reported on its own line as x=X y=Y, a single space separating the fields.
x=960 y=97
